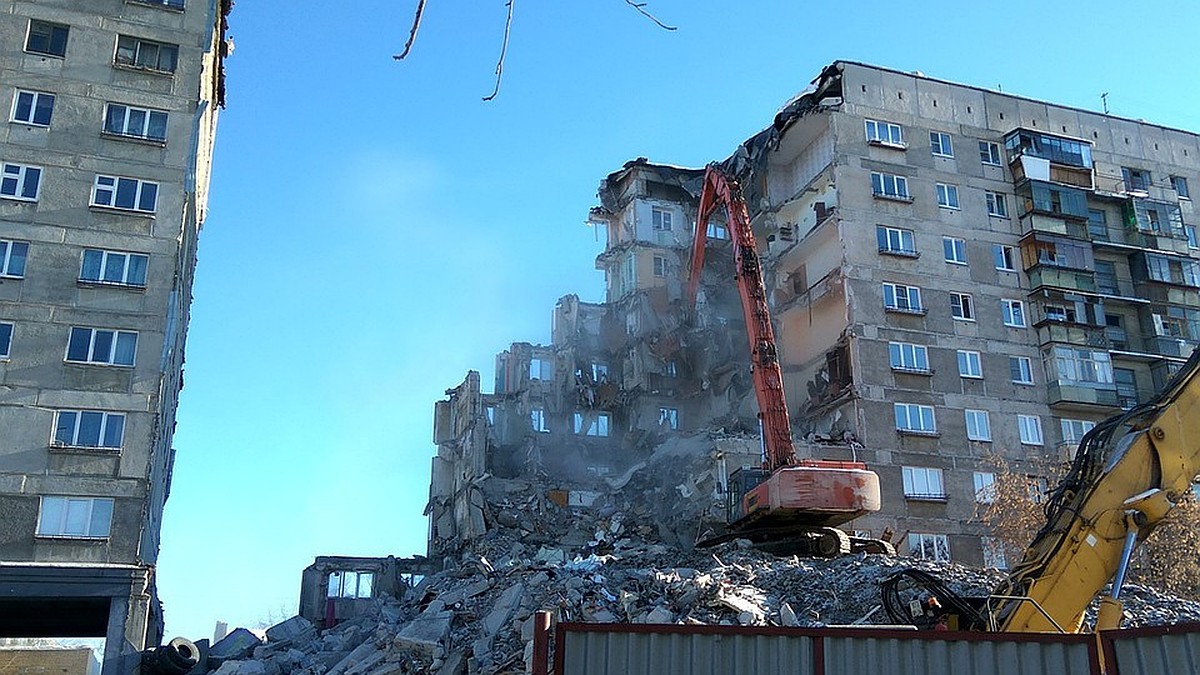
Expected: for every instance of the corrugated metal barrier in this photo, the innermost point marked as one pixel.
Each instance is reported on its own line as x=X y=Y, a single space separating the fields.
x=1153 y=651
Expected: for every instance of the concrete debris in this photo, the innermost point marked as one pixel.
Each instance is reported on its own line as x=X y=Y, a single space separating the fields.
x=629 y=557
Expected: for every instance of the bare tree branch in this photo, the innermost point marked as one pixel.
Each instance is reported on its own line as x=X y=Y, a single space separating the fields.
x=503 y=51
x=641 y=9
x=412 y=34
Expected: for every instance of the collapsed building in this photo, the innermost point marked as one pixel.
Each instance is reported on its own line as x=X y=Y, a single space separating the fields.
x=995 y=292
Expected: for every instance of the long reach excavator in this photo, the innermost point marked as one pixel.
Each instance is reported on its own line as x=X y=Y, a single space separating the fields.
x=788 y=505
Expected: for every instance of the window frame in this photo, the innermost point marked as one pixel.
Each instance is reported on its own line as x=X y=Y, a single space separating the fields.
x=660 y=266
x=897 y=182
x=7 y=330
x=106 y=255
x=66 y=38
x=921 y=410
x=1003 y=253
x=940 y=144
x=107 y=418
x=1024 y=366
x=997 y=205
x=600 y=427
x=889 y=127
x=136 y=62
x=985 y=486
x=7 y=257
x=537 y=420
x=1030 y=424
x=884 y=236
x=20 y=181
x=938 y=544
x=970 y=364
x=962 y=306
x=1068 y=426
x=931 y=479
x=342 y=587
x=114 y=347
x=35 y=97
x=978 y=424
x=952 y=248
x=986 y=154
x=1181 y=181
x=910 y=307
x=115 y=190
x=61 y=531
x=900 y=353
x=1013 y=310
x=127 y=117
x=947 y=196
x=670 y=416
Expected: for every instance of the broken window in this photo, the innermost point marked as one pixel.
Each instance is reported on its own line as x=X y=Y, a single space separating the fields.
x=716 y=230
x=348 y=584
x=668 y=416
x=962 y=307
x=660 y=266
x=929 y=546
x=1181 y=186
x=993 y=553
x=1137 y=180
x=599 y=372
x=660 y=219
x=148 y=54
x=541 y=369
x=537 y=418
x=598 y=426
x=1004 y=257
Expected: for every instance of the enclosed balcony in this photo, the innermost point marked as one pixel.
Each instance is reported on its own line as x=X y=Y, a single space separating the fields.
x=1079 y=377
x=1037 y=197
x=1155 y=224
x=1058 y=262
x=1037 y=156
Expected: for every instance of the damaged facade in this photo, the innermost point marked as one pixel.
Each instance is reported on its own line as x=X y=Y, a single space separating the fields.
x=106 y=163
x=955 y=273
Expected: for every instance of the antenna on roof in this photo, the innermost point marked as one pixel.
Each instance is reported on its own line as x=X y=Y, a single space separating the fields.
x=1104 y=100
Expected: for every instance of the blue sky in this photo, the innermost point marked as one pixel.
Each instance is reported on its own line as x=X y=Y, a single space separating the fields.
x=376 y=230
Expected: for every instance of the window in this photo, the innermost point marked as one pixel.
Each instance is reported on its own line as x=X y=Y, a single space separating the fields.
x=6 y=333
x=89 y=429
x=107 y=347
x=985 y=487
x=84 y=517
x=895 y=240
x=173 y=4
x=1004 y=257
x=1079 y=365
x=18 y=181
x=1190 y=231
x=1014 y=313
x=668 y=416
x=660 y=218
x=884 y=133
x=1180 y=185
x=1073 y=430
x=347 y=584
x=33 y=107
x=914 y=418
x=1136 y=179
x=901 y=298
x=962 y=307
x=541 y=369
x=923 y=483
x=993 y=553
x=138 y=53
x=1172 y=270
x=128 y=194
x=47 y=38
x=595 y=427
x=889 y=185
x=940 y=143
x=1031 y=429
x=947 y=196
x=1020 y=369
x=996 y=206
x=12 y=258
x=660 y=266
x=113 y=267
x=124 y=120
x=979 y=426
x=969 y=364
x=934 y=547
x=906 y=356
x=716 y=231
x=989 y=153
x=537 y=419
x=1059 y=313
x=954 y=250
x=1098 y=224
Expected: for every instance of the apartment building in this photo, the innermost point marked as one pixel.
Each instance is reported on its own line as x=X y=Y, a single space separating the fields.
x=105 y=157
x=956 y=274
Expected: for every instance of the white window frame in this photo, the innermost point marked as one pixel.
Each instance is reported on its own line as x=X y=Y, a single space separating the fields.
x=1177 y=182
x=7 y=329
x=107 y=419
x=600 y=427
x=1073 y=430
x=912 y=298
x=915 y=418
x=1014 y=313
x=35 y=97
x=985 y=486
x=660 y=219
x=1005 y=255
x=923 y=483
x=350 y=584
x=962 y=306
x=897 y=236
x=979 y=425
x=715 y=230
x=884 y=133
x=927 y=546
x=670 y=416
x=947 y=196
x=128 y=115
x=908 y=357
x=537 y=420
x=1030 y=428
x=970 y=364
x=7 y=257
x=97 y=521
x=112 y=184
x=989 y=154
x=1079 y=364
x=20 y=176
x=1024 y=366
x=660 y=266
x=94 y=357
x=954 y=250
x=135 y=60
x=997 y=205
x=541 y=369
x=108 y=259
x=898 y=185
x=940 y=144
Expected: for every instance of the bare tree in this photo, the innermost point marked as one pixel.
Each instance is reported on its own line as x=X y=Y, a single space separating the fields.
x=1169 y=559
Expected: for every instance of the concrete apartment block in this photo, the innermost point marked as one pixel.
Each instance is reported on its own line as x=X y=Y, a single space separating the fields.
x=106 y=150
x=954 y=273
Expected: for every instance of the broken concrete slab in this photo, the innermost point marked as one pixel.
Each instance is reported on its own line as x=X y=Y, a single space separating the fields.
x=238 y=644
x=426 y=632
x=294 y=628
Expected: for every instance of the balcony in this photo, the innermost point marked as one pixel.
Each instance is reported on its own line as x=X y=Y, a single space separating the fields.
x=1053 y=200
x=1034 y=155
x=1062 y=278
x=1081 y=335
x=1034 y=223
x=1066 y=394
x=1159 y=223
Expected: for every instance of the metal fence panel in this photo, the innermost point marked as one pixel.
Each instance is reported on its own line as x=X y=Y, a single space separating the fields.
x=899 y=656
x=1174 y=653
x=651 y=653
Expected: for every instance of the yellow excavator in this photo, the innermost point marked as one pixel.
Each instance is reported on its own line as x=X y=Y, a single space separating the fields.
x=1130 y=471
